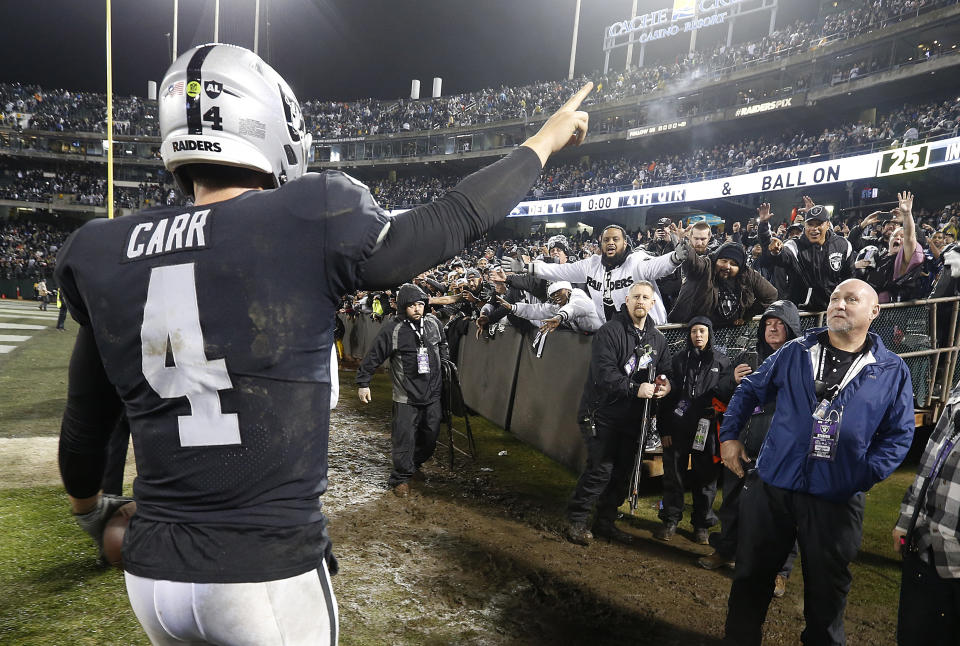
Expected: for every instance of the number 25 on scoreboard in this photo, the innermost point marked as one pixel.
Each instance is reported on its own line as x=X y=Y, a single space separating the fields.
x=903 y=160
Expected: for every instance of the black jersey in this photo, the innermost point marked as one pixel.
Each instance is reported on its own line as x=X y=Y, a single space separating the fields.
x=214 y=325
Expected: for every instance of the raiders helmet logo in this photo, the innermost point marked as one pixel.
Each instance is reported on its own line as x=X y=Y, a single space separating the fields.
x=291 y=110
x=836 y=261
x=212 y=88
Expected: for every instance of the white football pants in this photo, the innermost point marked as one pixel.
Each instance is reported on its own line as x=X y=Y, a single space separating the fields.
x=301 y=610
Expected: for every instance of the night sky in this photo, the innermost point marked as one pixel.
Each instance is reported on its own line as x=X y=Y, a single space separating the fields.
x=330 y=49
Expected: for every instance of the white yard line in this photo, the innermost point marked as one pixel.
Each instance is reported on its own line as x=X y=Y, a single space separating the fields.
x=13 y=338
x=21 y=326
x=39 y=317
x=29 y=310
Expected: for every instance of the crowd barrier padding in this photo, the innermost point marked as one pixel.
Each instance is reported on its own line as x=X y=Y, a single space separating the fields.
x=548 y=394
x=359 y=333
x=536 y=399
x=488 y=373
x=9 y=287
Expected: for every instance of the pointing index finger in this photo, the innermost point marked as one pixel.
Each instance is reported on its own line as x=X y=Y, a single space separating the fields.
x=574 y=102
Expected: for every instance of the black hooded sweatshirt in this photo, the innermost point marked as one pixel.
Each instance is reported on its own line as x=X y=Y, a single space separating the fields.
x=698 y=377
x=755 y=430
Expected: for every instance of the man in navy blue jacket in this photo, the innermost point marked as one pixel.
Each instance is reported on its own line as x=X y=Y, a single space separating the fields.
x=844 y=422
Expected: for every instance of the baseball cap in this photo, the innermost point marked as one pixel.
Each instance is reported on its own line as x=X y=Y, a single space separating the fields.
x=663 y=223
x=817 y=212
x=557 y=286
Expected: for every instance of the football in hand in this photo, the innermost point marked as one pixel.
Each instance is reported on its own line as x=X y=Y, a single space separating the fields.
x=113 y=533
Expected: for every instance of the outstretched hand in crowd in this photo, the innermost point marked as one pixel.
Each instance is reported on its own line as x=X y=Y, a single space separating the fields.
x=764 y=212
x=550 y=324
x=905 y=201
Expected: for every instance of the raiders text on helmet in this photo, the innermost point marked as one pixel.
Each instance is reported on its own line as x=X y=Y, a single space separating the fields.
x=221 y=104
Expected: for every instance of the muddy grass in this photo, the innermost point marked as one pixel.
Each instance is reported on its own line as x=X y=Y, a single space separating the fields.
x=469 y=559
x=475 y=556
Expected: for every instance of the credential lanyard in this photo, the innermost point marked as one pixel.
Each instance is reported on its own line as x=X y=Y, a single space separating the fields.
x=418 y=333
x=836 y=387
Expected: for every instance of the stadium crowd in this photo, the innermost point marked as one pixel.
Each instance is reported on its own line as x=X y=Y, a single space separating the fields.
x=891 y=128
x=79 y=188
x=900 y=125
x=370 y=116
x=56 y=110
x=29 y=250
x=772 y=247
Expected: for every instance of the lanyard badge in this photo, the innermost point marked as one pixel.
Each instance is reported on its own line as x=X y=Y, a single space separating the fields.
x=642 y=361
x=825 y=436
x=647 y=357
x=423 y=361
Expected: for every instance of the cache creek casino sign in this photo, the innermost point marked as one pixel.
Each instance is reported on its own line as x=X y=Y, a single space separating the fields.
x=685 y=17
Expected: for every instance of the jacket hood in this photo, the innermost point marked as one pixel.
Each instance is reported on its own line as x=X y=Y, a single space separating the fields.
x=410 y=294
x=701 y=320
x=787 y=312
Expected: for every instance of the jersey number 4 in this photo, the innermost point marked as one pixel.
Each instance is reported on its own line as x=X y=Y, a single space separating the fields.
x=171 y=318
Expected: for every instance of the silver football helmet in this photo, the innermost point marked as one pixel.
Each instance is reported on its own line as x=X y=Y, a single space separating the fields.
x=222 y=104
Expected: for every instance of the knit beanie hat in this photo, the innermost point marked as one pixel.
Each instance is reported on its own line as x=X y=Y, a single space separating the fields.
x=734 y=251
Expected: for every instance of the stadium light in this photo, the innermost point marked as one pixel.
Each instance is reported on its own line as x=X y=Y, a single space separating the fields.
x=176 y=12
x=256 y=28
x=109 y=116
x=573 y=46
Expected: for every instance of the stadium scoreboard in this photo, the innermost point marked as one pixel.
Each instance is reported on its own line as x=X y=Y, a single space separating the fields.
x=907 y=159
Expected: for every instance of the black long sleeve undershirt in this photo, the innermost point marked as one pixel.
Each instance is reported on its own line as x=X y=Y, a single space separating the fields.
x=417 y=240
x=93 y=408
x=428 y=235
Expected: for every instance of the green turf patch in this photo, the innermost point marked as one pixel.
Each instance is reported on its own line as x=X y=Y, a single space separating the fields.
x=33 y=382
x=53 y=592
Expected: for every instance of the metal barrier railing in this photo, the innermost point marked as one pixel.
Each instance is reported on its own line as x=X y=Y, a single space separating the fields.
x=920 y=332
x=924 y=333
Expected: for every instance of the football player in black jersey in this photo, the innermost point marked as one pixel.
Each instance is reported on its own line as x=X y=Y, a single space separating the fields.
x=211 y=327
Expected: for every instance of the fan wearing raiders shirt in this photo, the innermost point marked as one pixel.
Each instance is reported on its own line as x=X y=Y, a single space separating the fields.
x=212 y=329
x=608 y=276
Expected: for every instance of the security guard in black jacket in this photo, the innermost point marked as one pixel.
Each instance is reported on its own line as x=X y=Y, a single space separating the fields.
x=415 y=344
x=610 y=412
x=687 y=421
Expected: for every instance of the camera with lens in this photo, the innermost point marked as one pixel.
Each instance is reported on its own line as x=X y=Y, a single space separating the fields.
x=488 y=293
